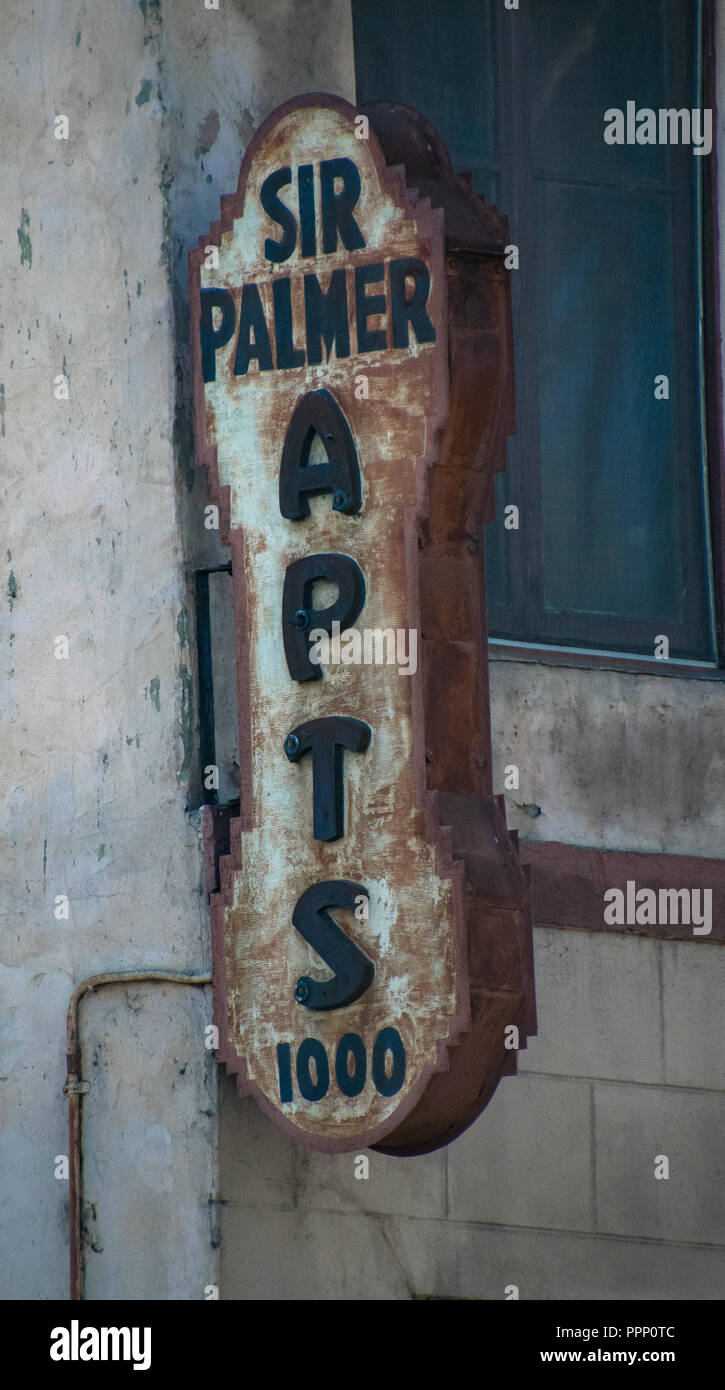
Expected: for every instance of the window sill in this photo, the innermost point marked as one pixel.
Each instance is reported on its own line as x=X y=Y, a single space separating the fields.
x=499 y=650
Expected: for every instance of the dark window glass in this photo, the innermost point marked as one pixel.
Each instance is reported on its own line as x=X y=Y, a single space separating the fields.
x=612 y=548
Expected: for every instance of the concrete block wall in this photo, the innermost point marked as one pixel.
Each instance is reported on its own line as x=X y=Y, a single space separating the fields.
x=552 y=1190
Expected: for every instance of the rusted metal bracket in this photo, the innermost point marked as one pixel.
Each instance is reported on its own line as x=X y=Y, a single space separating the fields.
x=216 y=827
x=76 y=1088
x=455 y=635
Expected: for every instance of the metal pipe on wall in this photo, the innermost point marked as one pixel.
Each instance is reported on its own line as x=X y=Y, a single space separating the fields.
x=75 y=1088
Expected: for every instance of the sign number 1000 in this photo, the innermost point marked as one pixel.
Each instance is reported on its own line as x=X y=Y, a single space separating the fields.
x=351 y=1064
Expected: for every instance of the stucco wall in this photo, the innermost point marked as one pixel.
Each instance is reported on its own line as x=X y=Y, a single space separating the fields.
x=611 y=760
x=96 y=748
x=99 y=751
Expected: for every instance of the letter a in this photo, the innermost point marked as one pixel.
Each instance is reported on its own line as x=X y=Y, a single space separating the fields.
x=614 y=911
x=317 y=412
x=614 y=129
x=61 y=1350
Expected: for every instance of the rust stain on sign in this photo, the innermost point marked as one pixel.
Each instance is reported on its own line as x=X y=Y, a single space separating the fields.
x=343 y=954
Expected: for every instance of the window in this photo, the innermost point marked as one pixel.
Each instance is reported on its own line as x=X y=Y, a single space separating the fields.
x=612 y=549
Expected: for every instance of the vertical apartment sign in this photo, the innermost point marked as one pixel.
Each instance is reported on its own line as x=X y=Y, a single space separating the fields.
x=321 y=388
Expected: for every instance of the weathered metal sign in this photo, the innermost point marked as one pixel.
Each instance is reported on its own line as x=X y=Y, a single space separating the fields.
x=320 y=332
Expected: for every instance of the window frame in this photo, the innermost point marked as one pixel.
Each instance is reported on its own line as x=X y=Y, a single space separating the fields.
x=503 y=649
x=526 y=577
